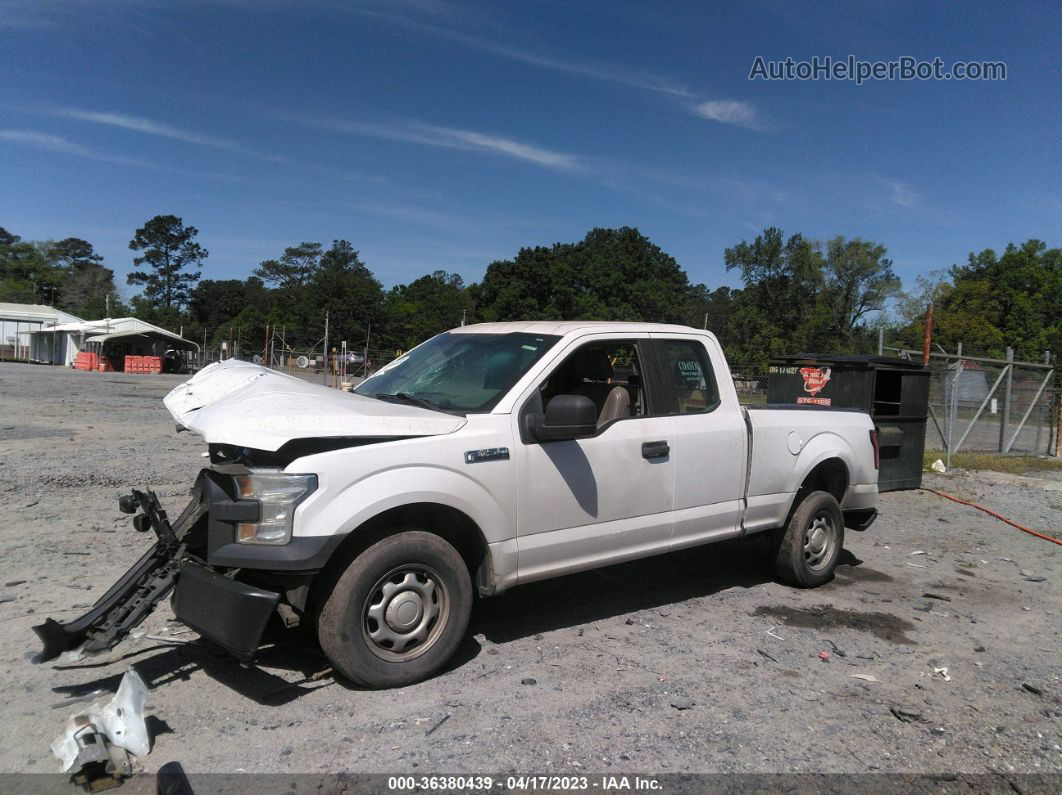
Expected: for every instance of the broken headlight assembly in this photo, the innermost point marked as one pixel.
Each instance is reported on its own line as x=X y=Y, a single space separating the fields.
x=278 y=494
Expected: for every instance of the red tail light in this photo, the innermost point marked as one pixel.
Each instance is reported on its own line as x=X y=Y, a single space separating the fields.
x=874 y=444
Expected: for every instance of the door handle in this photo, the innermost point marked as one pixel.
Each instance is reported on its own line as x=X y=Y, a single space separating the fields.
x=655 y=450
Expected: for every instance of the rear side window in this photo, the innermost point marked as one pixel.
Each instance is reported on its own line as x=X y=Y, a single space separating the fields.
x=688 y=376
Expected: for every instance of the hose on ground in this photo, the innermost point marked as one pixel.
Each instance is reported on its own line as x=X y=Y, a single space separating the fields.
x=999 y=516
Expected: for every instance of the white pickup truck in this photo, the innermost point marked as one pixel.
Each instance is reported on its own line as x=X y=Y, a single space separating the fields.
x=489 y=456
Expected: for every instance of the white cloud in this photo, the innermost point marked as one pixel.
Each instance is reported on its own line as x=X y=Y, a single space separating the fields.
x=729 y=111
x=452 y=138
x=901 y=194
x=162 y=130
x=54 y=143
x=595 y=70
x=506 y=146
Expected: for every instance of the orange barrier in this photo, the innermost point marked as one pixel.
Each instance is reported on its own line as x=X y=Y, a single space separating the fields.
x=105 y=365
x=143 y=365
x=85 y=360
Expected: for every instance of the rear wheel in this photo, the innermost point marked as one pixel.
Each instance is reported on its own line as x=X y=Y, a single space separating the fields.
x=398 y=612
x=807 y=549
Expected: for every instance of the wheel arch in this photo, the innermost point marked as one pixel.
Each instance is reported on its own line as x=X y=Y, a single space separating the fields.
x=829 y=474
x=452 y=525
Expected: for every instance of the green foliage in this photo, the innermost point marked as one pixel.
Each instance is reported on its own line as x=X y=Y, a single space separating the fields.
x=26 y=276
x=859 y=280
x=67 y=274
x=783 y=307
x=612 y=274
x=797 y=295
x=993 y=301
x=169 y=247
x=86 y=286
x=424 y=307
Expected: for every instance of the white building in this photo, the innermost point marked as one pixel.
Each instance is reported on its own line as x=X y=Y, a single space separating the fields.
x=110 y=337
x=21 y=336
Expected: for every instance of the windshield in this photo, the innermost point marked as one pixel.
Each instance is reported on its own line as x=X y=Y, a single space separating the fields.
x=458 y=372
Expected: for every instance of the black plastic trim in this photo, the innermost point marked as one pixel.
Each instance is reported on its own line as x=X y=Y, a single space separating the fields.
x=302 y=553
x=860 y=519
x=224 y=510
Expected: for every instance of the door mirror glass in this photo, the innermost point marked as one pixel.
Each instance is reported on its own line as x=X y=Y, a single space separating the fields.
x=566 y=417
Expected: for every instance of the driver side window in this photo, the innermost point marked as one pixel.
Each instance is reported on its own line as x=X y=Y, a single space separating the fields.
x=609 y=373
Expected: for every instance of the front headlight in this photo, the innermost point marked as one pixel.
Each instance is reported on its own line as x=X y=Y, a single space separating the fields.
x=278 y=494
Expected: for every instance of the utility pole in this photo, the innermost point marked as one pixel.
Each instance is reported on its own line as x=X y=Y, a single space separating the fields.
x=881 y=340
x=705 y=321
x=464 y=313
x=365 y=358
x=325 y=379
x=928 y=336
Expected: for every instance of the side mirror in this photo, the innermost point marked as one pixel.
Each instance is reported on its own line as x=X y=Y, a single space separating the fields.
x=567 y=417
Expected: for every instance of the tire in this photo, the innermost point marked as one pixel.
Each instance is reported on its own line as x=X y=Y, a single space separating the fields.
x=398 y=612
x=807 y=549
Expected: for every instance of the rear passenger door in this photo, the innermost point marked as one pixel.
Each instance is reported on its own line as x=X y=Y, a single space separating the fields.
x=709 y=451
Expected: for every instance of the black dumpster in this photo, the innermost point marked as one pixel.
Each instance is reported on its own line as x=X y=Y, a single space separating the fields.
x=894 y=391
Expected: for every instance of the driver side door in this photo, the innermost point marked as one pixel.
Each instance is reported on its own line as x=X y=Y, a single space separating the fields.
x=587 y=502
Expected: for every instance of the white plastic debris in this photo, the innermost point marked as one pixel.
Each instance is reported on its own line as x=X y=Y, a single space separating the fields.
x=120 y=721
x=938 y=466
x=943 y=672
x=865 y=677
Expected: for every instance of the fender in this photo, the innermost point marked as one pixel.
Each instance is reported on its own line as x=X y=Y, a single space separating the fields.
x=390 y=488
x=822 y=446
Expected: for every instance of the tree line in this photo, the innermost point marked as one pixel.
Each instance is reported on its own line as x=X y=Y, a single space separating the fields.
x=797 y=294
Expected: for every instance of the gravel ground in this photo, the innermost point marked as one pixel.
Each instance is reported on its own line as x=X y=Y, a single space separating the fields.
x=697 y=661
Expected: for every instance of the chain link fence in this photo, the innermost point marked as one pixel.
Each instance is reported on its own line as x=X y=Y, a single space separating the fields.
x=980 y=404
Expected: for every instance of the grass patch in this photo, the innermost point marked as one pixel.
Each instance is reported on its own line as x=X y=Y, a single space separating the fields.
x=1013 y=464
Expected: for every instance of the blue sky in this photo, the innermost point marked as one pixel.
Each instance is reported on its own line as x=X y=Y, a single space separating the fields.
x=449 y=134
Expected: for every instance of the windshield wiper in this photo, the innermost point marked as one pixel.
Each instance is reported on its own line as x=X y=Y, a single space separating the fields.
x=405 y=397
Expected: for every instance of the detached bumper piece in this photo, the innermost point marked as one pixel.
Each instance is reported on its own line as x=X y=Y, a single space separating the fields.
x=230 y=613
x=135 y=594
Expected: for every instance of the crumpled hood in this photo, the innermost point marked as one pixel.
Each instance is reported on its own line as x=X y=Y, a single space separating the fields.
x=239 y=403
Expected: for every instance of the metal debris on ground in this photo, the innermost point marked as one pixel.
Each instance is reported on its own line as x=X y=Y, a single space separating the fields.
x=906 y=715
x=836 y=649
x=96 y=742
x=1032 y=689
x=441 y=721
x=764 y=654
x=936 y=596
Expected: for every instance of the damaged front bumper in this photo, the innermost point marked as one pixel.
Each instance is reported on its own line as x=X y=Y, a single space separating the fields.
x=223 y=590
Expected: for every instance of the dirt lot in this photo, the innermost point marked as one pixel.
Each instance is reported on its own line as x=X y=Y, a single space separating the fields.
x=690 y=662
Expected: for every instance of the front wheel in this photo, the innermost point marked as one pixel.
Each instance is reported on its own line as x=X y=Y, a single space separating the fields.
x=398 y=612
x=807 y=549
